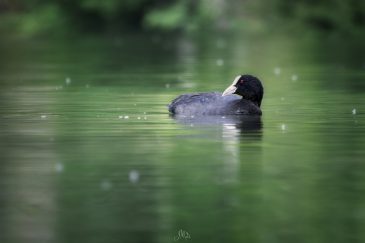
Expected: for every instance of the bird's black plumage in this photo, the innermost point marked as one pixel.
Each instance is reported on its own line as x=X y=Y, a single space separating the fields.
x=214 y=103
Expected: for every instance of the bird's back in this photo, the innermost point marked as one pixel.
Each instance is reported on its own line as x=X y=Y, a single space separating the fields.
x=212 y=104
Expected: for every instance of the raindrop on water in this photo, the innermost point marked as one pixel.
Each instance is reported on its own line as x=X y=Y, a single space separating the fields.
x=283 y=127
x=133 y=176
x=59 y=167
x=277 y=71
x=294 y=77
x=106 y=185
x=219 y=62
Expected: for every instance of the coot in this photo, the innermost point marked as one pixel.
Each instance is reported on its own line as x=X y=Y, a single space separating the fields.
x=214 y=103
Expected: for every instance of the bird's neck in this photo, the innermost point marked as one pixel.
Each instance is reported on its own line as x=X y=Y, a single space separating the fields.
x=257 y=103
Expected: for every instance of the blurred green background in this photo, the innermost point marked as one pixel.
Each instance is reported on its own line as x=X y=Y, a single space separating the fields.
x=37 y=16
x=89 y=153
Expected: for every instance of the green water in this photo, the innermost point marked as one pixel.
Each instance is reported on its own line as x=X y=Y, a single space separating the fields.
x=89 y=153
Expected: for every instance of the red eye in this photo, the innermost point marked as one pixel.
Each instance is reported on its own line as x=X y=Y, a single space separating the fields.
x=241 y=81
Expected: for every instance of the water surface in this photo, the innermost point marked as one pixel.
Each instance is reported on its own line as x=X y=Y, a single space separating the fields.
x=90 y=154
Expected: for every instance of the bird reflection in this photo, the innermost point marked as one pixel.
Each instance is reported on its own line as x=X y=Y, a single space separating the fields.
x=232 y=126
x=233 y=131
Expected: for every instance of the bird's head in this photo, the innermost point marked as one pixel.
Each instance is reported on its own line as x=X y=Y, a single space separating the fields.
x=247 y=86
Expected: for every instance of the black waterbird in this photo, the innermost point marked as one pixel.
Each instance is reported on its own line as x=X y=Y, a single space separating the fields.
x=242 y=97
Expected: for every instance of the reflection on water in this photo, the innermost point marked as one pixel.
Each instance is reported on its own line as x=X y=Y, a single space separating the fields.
x=89 y=153
x=232 y=131
x=237 y=124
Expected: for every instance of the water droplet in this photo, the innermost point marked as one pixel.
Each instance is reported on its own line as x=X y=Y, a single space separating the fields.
x=188 y=85
x=106 y=185
x=277 y=71
x=68 y=80
x=283 y=127
x=167 y=86
x=354 y=111
x=59 y=167
x=126 y=117
x=139 y=118
x=145 y=117
x=294 y=77
x=120 y=117
x=219 y=62
x=43 y=116
x=133 y=176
